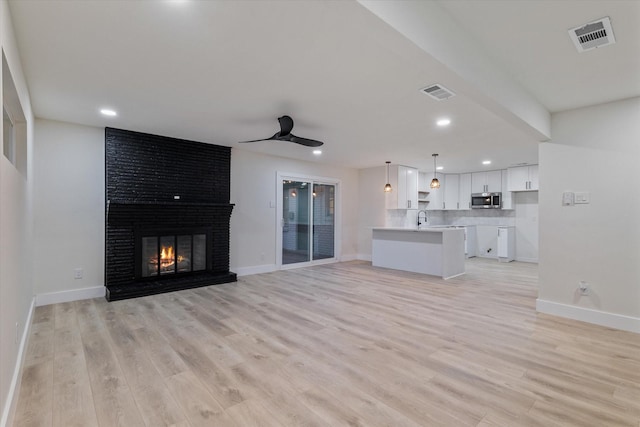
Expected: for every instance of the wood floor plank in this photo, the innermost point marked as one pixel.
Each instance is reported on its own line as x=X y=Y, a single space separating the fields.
x=72 y=397
x=35 y=402
x=112 y=396
x=335 y=344
x=197 y=403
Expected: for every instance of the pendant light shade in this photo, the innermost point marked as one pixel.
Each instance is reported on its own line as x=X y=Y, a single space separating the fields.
x=434 y=182
x=387 y=186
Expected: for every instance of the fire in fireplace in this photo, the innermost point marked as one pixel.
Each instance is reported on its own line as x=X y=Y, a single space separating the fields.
x=164 y=254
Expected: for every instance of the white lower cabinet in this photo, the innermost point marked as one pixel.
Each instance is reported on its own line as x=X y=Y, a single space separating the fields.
x=470 y=241
x=506 y=244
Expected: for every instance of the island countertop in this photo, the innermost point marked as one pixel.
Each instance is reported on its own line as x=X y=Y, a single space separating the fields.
x=432 y=229
x=438 y=251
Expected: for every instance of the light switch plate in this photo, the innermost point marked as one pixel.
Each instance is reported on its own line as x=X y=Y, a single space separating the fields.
x=567 y=198
x=582 y=197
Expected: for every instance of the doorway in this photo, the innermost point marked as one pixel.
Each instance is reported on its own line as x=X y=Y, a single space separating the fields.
x=307 y=210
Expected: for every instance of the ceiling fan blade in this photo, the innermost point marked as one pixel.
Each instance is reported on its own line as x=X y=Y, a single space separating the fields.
x=305 y=141
x=286 y=124
x=274 y=138
x=253 y=140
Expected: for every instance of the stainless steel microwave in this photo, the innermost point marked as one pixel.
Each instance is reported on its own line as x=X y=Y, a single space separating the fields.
x=486 y=201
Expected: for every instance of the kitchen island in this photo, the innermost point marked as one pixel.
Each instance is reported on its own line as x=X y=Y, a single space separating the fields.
x=438 y=251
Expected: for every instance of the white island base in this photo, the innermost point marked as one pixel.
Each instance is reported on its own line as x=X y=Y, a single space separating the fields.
x=435 y=251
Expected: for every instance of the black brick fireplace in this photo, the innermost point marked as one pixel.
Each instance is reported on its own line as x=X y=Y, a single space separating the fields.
x=167 y=214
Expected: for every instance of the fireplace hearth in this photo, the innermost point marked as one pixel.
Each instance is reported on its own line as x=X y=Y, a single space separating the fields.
x=167 y=214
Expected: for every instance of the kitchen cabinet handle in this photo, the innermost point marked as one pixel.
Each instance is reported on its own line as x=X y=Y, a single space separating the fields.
x=442 y=205
x=458 y=205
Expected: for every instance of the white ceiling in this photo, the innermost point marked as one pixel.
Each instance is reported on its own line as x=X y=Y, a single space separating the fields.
x=223 y=71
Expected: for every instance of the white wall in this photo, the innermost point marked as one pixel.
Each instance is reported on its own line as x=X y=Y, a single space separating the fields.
x=594 y=149
x=69 y=202
x=16 y=290
x=253 y=221
x=526 y=209
x=69 y=206
x=371 y=207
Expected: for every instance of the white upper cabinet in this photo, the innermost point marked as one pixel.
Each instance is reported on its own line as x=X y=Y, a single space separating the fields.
x=451 y=191
x=436 y=195
x=464 y=196
x=457 y=192
x=404 y=185
x=486 y=182
x=507 y=196
x=523 y=178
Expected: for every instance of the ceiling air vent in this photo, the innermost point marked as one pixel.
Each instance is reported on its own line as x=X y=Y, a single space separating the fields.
x=438 y=92
x=592 y=35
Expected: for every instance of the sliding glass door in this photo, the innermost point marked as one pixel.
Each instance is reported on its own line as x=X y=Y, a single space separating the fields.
x=308 y=220
x=295 y=222
x=324 y=200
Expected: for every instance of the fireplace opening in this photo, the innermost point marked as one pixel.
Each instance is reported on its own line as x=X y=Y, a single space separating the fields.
x=163 y=253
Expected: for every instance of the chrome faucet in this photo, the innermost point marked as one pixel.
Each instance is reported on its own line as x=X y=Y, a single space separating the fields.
x=426 y=218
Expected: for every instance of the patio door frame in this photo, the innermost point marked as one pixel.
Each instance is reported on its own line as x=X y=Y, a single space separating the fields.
x=337 y=237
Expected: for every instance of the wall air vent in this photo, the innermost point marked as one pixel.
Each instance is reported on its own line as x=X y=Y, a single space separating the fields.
x=592 y=35
x=437 y=92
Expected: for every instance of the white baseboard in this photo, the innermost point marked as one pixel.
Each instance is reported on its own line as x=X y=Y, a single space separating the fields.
x=364 y=257
x=531 y=260
x=351 y=257
x=14 y=389
x=71 y=295
x=256 y=269
x=611 y=320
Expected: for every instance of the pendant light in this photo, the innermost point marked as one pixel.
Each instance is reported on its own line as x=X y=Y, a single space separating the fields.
x=434 y=182
x=387 y=186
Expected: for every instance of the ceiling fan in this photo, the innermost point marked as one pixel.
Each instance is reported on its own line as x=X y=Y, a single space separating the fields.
x=286 y=124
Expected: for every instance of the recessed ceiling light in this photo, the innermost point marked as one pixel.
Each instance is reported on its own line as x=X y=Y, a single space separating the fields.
x=486 y=162
x=317 y=152
x=439 y=168
x=443 y=122
x=108 y=112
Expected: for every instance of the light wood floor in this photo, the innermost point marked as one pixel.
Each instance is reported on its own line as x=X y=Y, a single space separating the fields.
x=335 y=345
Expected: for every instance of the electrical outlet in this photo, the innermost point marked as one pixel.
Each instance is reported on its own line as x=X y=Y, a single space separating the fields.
x=77 y=273
x=583 y=287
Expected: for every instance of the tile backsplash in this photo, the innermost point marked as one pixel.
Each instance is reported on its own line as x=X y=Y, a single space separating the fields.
x=495 y=217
